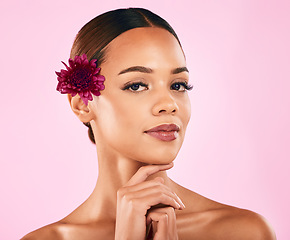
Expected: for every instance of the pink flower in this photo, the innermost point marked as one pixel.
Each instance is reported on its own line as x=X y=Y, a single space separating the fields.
x=81 y=77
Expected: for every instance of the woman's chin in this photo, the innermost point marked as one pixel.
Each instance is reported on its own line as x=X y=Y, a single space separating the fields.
x=159 y=160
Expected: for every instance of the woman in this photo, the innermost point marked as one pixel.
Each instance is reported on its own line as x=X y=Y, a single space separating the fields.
x=138 y=122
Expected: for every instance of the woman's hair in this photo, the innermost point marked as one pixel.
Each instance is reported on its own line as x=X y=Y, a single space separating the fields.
x=94 y=37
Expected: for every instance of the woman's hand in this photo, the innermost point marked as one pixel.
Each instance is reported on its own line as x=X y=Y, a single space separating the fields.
x=163 y=223
x=137 y=197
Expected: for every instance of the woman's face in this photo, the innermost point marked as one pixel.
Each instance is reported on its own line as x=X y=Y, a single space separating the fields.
x=145 y=73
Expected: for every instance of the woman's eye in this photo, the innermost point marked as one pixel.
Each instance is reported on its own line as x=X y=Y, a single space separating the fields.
x=181 y=86
x=136 y=87
x=176 y=86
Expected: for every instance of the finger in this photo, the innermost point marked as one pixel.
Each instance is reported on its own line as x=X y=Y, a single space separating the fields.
x=158 y=189
x=154 y=199
x=160 y=224
x=145 y=171
x=146 y=184
x=155 y=184
x=158 y=181
x=170 y=213
x=171 y=227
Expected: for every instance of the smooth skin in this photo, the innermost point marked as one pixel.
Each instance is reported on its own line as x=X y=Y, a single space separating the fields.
x=134 y=198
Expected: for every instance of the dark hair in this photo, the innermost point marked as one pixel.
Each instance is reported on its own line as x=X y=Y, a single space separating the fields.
x=94 y=37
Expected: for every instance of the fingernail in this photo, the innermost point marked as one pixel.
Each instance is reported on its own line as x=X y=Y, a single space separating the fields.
x=180 y=201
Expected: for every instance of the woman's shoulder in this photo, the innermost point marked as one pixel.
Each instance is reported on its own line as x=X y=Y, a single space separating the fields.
x=51 y=231
x=225 y=222
x=235 y=222
x=64 y=230
x=215 y=220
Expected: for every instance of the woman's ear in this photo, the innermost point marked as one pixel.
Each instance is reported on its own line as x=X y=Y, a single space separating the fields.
x=80 y=109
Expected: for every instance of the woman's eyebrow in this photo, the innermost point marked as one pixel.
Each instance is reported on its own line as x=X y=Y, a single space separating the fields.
x=136 y=69
x=149 y=70
x=179 y=70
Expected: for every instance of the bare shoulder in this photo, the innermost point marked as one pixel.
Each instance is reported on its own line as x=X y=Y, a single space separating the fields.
x=224 y=222
x=237 y=223
x=52 y=231
x=204 y=218
x=73 y=231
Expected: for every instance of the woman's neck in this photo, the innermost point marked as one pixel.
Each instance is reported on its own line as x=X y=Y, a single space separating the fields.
x=114 y=172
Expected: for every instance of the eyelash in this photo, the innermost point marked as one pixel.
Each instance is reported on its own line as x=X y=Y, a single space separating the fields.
x=186 y=86
x=129 y=85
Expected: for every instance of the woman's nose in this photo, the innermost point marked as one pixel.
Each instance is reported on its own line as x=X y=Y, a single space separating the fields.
x=165 y=104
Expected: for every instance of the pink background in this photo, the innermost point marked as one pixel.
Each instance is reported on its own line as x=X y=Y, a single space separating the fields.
x=236 y=149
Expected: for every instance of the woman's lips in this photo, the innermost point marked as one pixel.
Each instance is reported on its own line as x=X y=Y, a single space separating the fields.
x=164 y=132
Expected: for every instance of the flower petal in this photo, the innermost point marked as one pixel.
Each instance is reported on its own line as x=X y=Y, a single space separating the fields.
x=90 y=97
x=97 y=70
x=96 y=92
x=85 y=100
x=78 y=60
x=58 y=74
x=66 y=66
x=83 y=57
x=71 y=63
x=101 y=78
x=93 y=63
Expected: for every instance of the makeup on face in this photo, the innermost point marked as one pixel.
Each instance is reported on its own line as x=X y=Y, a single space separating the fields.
x=140 y=85
x=164 y=132
x=145 y=105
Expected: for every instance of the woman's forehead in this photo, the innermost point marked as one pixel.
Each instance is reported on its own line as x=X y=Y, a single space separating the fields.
x=147 y=45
